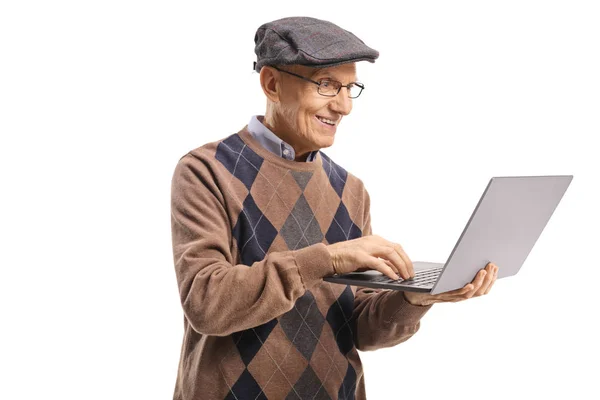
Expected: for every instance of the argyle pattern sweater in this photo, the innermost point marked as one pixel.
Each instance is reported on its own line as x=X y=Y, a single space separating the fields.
x=250 y=231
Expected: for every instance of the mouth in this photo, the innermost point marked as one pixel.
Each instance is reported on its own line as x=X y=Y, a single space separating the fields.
x=327 y=123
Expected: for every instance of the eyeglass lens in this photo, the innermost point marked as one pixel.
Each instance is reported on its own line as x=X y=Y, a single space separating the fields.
x=330 y=87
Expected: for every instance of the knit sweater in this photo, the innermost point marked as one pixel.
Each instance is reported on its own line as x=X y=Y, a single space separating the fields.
x=250 y=232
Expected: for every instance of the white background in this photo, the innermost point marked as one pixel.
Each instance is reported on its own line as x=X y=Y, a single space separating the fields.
x=98 y=100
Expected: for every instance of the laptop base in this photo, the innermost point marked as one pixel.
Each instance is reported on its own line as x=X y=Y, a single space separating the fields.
x=426 y=274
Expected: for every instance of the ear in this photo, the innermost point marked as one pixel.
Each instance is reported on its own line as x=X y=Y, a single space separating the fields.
x=270 y=83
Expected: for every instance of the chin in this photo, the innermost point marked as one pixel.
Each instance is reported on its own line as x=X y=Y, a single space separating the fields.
x=326 y=141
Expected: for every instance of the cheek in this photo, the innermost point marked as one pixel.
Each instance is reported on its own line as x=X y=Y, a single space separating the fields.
x=308 y=108
x=316 y=108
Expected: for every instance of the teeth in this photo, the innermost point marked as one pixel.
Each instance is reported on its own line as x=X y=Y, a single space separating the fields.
x=327 y=121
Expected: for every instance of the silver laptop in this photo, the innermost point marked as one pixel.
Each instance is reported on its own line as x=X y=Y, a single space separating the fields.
x=509 y=218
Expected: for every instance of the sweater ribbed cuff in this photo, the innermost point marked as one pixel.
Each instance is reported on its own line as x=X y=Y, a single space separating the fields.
x=314 y=263
x=404 y=312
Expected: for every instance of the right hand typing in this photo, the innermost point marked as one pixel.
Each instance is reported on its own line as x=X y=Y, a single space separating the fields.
x=371 y=252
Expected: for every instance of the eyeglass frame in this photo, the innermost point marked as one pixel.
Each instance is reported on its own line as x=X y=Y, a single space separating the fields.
x=360 y=85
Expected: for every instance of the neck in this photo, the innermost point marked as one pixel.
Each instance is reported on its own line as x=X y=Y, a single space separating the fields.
x=282 y=131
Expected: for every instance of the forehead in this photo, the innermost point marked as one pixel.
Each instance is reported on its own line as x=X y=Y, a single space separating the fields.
x=342 y=73
x=347 y=73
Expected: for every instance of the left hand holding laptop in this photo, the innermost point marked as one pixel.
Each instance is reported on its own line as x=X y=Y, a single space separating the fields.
x=481 y=285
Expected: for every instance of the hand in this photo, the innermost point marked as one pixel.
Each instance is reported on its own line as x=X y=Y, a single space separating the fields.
x=371 y=252
x=481 y=284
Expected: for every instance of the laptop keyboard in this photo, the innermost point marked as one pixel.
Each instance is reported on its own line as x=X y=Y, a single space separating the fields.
x=423 y=278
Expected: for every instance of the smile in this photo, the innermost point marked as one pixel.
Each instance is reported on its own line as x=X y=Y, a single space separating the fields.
x=325 y=120
x=327 y=124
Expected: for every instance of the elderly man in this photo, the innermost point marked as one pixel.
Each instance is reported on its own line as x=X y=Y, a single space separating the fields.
x=260 y=217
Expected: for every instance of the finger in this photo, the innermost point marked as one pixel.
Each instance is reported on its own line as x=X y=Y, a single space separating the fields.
x=491 y=269
x=455 y=295
x=407 y=261
x=389 y=253
x=465 y=293
x=493 y=281
x=459 y=292
x=381 y=266
x=391 y=265
x=489 y=277
x=470 y=289
x=477 y=282
x=395 y=253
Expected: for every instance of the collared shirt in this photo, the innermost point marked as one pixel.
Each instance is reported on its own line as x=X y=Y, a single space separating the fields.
x=272 y=142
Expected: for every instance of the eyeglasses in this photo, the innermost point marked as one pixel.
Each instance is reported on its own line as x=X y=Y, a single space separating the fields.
x=329 y=87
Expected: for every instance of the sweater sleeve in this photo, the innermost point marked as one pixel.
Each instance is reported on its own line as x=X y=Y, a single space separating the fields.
x=219 y=297
x=383 y=317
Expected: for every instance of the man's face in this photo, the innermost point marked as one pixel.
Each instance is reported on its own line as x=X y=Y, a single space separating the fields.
x=303 y=108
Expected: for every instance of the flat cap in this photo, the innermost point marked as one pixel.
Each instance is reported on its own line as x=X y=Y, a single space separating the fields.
x=308 y=41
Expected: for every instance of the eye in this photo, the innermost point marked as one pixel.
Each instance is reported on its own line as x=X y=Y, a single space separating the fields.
x=325 y=83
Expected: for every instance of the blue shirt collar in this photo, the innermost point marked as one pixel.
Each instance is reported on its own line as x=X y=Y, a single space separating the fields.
x=272 y=142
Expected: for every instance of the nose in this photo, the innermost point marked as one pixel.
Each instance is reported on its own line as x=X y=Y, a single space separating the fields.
x=342 y=103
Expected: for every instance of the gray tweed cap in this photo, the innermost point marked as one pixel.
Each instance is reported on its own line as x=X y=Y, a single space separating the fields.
x=308 y=41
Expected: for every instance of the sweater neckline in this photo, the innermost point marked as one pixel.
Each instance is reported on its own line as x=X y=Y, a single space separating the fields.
x=251 y=142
